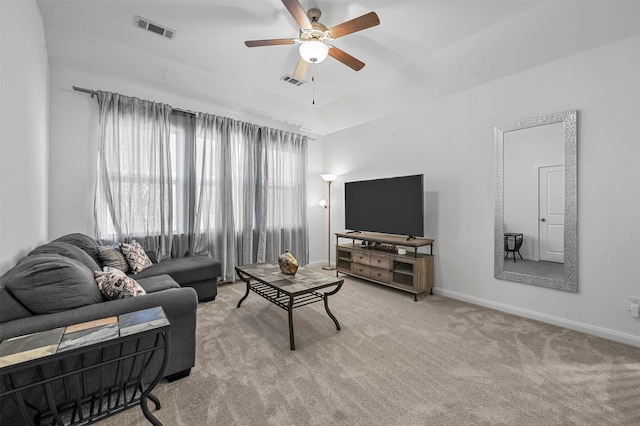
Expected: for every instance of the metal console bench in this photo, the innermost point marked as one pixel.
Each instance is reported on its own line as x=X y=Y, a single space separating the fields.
x=84 y=373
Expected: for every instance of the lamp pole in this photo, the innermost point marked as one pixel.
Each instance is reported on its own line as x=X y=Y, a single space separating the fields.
x=329 y=178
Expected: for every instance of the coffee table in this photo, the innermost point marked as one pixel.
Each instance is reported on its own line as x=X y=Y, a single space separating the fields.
x=288 y=291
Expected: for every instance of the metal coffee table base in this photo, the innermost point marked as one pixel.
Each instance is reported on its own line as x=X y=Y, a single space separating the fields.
x=288 y=302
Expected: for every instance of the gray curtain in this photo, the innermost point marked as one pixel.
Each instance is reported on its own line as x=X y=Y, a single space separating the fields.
x=133 y=197
x=250 y=202
x=205 y=185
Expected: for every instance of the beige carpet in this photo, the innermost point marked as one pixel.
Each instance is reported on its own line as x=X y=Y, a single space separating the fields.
x=437 y=361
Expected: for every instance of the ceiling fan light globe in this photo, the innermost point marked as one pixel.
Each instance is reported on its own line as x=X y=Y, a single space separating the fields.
x=313 y=51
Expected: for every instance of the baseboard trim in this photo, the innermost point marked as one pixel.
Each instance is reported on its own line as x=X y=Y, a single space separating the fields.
x=605 y=333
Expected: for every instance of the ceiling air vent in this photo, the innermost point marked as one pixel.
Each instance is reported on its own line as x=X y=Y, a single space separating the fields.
x=290 y=79
x=147 y=25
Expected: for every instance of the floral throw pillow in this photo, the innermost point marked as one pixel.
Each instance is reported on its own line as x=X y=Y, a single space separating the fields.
x=116 y=285
x=136 y=256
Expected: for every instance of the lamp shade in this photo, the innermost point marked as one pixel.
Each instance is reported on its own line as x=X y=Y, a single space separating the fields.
x=313 y=51
x=328 y=177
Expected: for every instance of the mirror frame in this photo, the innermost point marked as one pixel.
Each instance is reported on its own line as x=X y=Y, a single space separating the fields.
x=569 y=120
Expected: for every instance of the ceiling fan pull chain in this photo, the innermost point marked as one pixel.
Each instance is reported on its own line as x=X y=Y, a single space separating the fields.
x=313 y=84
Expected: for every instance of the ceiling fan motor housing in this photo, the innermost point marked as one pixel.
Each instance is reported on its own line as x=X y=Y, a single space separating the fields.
x=314 y=15
x=319 y=34
x=317 y=31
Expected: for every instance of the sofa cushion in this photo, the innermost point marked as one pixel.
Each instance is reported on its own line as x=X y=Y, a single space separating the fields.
x=112 y=256
x=52 y=283
x=67 y=250
x=136 y=256
x=10 y=307
x=85 y=242
x=185 y=270
x=117 y=285
x=157 y=283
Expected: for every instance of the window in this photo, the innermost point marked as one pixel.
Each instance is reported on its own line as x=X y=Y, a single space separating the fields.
x=207 y=184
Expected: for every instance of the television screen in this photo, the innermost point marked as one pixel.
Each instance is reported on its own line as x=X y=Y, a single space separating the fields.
x=391 y=206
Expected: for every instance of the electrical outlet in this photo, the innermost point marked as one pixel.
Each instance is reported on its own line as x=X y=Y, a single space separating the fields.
x=633 y=306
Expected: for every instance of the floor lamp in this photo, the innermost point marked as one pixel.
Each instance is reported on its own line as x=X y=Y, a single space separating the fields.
x=329 y=178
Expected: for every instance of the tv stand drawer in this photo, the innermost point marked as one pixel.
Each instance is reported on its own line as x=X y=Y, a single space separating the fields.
x=382 y=275
x=373 y=260
x=366 y=271
x=379 y=261
x=361 y=258
x=361 y=270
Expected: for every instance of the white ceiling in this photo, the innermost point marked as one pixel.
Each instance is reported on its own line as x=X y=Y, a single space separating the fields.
x=438 y=46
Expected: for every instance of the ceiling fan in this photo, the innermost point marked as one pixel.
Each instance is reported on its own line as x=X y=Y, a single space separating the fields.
x=315 y=37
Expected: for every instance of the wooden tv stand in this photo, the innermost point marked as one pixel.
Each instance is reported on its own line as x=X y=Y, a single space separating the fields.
x=369 y=259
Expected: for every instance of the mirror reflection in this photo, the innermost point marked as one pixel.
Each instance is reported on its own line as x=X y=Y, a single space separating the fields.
x=533 y=221
x=532 y=189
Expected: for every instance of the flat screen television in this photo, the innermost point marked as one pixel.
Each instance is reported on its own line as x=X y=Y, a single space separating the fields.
x=390 y=206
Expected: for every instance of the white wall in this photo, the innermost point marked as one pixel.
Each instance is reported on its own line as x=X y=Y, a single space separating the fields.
x=24 y=83
x=450 y=140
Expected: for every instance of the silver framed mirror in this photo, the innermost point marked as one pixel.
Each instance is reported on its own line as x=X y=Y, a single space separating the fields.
x=535 y=175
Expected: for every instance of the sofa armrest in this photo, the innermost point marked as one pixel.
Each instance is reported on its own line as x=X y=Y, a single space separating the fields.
x=179 y=304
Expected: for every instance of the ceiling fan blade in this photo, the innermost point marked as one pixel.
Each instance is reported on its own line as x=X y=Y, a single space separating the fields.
x=345 y=58
x=301 y=69
x=270 y=42
x=363 y=22
x=295 y=9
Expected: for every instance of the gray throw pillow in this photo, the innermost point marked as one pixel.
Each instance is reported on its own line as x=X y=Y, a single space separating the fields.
x=47 y=284
x=67 y=250
x=85 y=242
x=112 y=256
x=10 y=308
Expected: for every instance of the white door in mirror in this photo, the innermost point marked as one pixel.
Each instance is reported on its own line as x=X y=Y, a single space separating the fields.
x=551 y=204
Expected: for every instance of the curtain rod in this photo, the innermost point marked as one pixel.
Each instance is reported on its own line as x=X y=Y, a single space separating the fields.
x=94 y=93
x=182 y=111
x=80 y=89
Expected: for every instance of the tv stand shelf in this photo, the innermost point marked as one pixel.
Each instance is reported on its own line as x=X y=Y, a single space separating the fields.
x=411 y=272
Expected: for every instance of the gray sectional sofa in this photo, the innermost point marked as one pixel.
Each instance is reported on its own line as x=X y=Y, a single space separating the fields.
x=54 y=286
